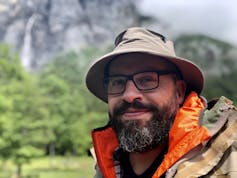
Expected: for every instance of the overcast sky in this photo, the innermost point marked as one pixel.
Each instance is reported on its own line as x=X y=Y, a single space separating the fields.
x=216 y=18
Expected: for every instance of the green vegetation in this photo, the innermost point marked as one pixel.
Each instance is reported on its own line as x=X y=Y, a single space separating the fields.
x=57 y=167
x=48 y=113
x=225 y=85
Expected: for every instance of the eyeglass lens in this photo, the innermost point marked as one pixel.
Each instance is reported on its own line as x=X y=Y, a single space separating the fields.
x=143 y=81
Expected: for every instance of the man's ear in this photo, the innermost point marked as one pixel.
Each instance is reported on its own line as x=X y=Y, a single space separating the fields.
x=181 y=89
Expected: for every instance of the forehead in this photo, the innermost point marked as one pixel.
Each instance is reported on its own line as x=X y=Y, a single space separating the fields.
x=135 y=62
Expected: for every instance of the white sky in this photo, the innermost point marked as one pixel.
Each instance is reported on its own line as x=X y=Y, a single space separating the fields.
x=216 y=18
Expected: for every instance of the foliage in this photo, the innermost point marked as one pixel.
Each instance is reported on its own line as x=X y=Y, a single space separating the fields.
x=72 y=167
x=223 y=85
x=70 y=104
x=49 y=112
x=10 y=67
x=22 y=112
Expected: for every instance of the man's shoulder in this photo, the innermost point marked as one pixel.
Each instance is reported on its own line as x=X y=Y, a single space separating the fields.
x=218 y=112
x=216 y=157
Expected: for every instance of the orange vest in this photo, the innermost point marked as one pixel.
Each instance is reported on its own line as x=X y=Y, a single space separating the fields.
x=185 y=134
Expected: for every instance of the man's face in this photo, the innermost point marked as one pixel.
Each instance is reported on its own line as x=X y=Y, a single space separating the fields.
x=142 y=119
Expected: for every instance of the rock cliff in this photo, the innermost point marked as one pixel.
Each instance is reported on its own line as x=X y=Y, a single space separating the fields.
x=40 y=29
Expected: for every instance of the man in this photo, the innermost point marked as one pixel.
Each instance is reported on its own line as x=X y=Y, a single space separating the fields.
x=159 y=125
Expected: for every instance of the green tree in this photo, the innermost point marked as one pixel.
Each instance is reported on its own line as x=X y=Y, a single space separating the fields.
x=64 y=108
x=23 y=128
x=222 y=85
x=71 y=104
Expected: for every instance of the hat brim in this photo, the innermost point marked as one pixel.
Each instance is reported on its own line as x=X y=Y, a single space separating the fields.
x=191 y=72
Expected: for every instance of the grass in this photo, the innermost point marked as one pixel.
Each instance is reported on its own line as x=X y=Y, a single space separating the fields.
x=57 y=167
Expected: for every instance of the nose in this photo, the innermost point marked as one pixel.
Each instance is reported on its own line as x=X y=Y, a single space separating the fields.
x=131 y=92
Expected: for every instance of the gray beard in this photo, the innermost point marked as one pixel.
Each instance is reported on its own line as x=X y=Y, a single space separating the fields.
x=135 y=137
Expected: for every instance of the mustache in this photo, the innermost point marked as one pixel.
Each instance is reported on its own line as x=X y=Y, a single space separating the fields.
x=135 y=105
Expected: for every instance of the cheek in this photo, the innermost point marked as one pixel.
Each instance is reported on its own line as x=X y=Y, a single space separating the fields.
x=162 y=96
x=112 y=102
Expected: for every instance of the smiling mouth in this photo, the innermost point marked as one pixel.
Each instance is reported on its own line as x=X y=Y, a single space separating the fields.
x=135 y=114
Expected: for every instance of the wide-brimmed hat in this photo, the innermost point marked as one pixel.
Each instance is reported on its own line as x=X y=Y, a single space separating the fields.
x=140 y=40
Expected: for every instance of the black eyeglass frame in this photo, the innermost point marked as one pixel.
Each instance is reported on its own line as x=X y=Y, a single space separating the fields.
x=131 y=77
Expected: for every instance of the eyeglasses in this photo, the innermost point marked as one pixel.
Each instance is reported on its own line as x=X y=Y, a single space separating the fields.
x=144 y=81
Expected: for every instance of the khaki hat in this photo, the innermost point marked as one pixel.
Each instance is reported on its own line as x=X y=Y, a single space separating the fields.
x=141 y=40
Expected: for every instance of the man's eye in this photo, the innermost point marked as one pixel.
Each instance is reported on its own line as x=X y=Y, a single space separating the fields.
x=146 y=79
x=117 y=82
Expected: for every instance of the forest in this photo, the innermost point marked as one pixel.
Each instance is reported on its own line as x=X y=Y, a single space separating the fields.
x=49 y=112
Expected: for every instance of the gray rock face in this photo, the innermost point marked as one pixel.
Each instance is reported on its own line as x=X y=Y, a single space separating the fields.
x=40 y=29
x=215 y=57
